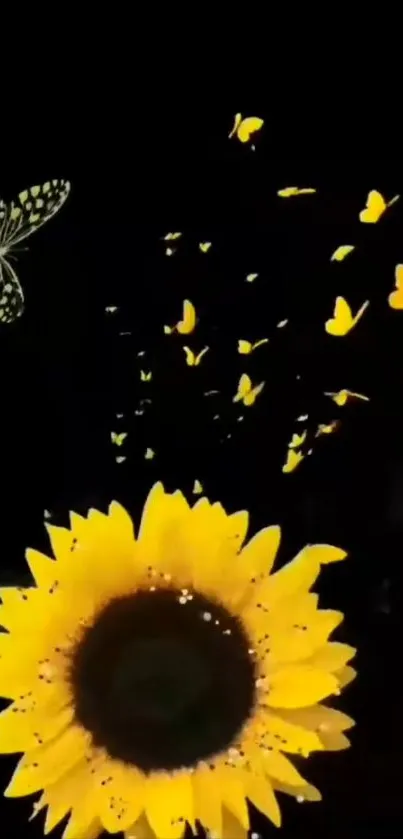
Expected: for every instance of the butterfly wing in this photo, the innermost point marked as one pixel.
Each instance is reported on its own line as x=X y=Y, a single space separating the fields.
x=188 y=323
x=341 y=252
x=247 y=127
x=342 y=319
x=244 y=386
x=237 y=120
x=32 y=208
x=375 y=206
x=190 y=356
x=11 y=293
x=244 y=347
x=200 y=356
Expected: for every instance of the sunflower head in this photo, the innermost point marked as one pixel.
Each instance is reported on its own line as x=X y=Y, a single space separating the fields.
x=162 y=680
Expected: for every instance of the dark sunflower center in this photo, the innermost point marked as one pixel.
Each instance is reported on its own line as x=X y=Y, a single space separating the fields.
x=162 y=681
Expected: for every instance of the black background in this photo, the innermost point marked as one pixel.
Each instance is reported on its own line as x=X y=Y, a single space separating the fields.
x=66 y=372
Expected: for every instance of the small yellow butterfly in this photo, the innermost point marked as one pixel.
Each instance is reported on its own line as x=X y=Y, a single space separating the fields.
x=170 y=237
x=120 y=459
x=145 y=377
x=342 y=396
x=251 y=277
x=292 y=461
x=170 y=251
x=245 y=347
x=197 y=488
x=289 y=191
x=341 y=252
x=244 y=128
x=245 y=392
x=343 y=321
x=194 y=360
x=395 y=299
x=168 y=329
x=149 y=454
x=118 y=439
x=375 y=207
x=204 y=246
x=327 y=429
x=110 y=310
x=302 y=418
x=188 y=322
x=297 y=440
x=282 y=323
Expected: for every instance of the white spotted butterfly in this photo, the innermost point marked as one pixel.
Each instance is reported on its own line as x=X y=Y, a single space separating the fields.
x=32 y=208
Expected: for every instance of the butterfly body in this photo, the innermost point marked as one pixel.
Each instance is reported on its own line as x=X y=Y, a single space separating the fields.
x=18 y=220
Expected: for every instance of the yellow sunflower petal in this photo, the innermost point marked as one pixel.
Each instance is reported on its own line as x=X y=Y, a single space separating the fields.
x=299 y=574
x=61 y=540
x=306 y=792
x=278 y=766
x=140 y=830
x=233 y=792
x=296 y=686
x=334 y=741
x=318 y=718
x=47 y=763
x=257 y=557
x=162 y=517
x=232 y=828
x=118 y=795
x=332 y=656
x=64 y=795
x=274 y=730
x=25 y=725
x=84 y=828
x=207 y=799
x=169 y=803
x=41 y=567
x=345 y=676
x=260 y=792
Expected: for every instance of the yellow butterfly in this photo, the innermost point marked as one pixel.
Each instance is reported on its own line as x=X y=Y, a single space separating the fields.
x=341 y=252
x=188 y=322
x=245 y=347
x=289 y=191
x=120 y=459
x=297 y=440
x=302 y=418
x=170 y=237
x=251 y=277
x=342 y=396
x=244 y=128
x=149 y=454
x=246 y=393
x=118 y=439
x=194 y=360
x=292 y=461
x=282 y=323
x=204 y=246
x=170 y=251
x=343 y=321
x=395 y=299
x=197 y=488
x=327 y=429
x=375 y=207
x=145 y=377
x=18 y=220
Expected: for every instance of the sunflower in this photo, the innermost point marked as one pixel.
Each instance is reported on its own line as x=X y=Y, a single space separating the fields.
x=158 y=682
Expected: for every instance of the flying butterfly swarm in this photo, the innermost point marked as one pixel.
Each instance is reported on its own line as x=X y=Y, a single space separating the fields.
x=32 y=208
